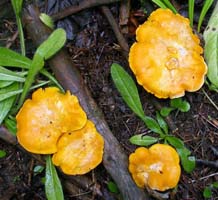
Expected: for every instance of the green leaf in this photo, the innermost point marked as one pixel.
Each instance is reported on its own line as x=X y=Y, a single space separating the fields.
x=38 y=169
x=165 y=111
x=207 y=5
x=112 y=187
x=188 y=162
x=162 y=123
x=36 y=65
x=211 y=48
x=53 y=44
x=17 y=6
x=11 y=125
x=53 y=187
x=12 y=59
x=47 y=20
x=8 y=75
x=165 y=4
x=127 y=88
x=175 y=142
x=2 y=154
x=6 y=104
x=180 y=104
x=143 y=140
x=191 y=4
x=170 y=6
x=215 y=184
x=159 y=3
x=153 y=125
x=5 y=83
x=207 y=193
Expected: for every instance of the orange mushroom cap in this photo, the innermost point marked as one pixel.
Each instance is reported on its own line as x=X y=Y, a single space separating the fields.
x=157 y=167
x=79 y=151
x=166 y=58
x=45 y=117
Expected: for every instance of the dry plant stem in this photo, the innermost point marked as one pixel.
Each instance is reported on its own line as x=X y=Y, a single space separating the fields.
x=121 y=40
x=124 y=15
x=83 y=5
x=115 y=161
x=212 y=164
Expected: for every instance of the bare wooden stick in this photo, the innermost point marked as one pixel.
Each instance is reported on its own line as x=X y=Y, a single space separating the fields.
x=115 y=161
x=83 y=5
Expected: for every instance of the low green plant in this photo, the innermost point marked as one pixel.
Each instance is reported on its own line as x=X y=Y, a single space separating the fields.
x=128 y=90
x=175 y=104
x=112 y=187
x=208 y=191
x=2 y=153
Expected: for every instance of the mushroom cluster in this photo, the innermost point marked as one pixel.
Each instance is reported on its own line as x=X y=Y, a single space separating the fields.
x=156 y=167
x=54 y=123
x=166 y=59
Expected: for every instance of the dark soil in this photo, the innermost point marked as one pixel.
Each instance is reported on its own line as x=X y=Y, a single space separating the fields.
x=93 y=48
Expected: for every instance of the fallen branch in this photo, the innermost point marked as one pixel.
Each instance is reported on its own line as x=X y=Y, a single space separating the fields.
x=83 y=5
x=114 y=160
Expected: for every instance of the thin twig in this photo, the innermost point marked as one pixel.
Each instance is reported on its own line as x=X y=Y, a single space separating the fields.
x=121 y=40
x=83 y=5
x=211 y=101
x=205 y=177
x=212 y=164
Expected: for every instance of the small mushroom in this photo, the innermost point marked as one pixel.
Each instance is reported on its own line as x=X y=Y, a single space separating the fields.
x=156 y=167
x=44 y=118
x=79 y=151
x=166 y=59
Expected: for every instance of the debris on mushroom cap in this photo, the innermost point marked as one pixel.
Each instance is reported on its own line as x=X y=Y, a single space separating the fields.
x=166 y=58
x=79 y=151
x=156 y=167
x=45 y=117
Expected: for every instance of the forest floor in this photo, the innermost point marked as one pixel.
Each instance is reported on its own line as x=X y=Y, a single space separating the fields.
x=93 y=48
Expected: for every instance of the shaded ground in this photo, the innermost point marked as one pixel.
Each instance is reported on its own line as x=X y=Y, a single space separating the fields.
x=93 y=50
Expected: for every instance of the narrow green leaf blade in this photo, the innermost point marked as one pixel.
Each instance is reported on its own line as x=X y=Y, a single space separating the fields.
x=53 y=44
x=7 y=75
x=143 y=140
x=53 y=186
x=162 y=123
x=191 y=4
x=170 y=6
x=12 y=59
x=206 y=6
x=5 y=83
x=159 y=3
x=127 y=88
x=17 y=6
x=6 y=104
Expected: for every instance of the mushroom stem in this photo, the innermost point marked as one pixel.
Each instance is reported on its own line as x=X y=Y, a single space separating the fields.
x=114 y=160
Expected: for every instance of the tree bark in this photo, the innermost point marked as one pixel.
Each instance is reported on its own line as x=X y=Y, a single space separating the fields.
x=115 y=160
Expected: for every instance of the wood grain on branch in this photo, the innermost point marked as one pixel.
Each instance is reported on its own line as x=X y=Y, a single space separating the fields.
x=115 y=160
